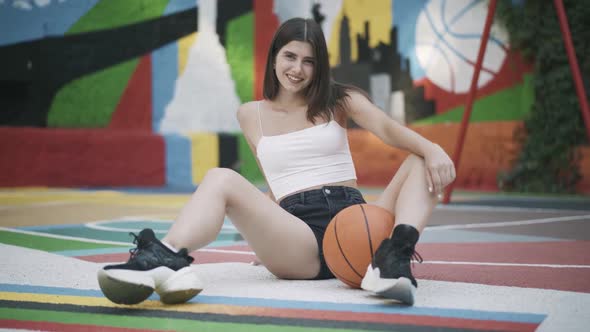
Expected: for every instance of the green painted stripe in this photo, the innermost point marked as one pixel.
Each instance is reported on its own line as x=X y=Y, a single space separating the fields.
x=65 y=110
x=240 y=54
x=119 y=319
x=47 y=243
x=248 y=167
x=109 y=14
x=511 y=104
x=71 y=107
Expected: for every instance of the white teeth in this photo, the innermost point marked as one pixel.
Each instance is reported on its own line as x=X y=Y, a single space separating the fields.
x=293 y=78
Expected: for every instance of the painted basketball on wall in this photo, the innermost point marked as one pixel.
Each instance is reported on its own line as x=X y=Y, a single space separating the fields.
x=448 y=35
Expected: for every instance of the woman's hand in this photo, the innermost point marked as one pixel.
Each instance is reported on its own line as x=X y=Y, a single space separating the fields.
x=440 y=170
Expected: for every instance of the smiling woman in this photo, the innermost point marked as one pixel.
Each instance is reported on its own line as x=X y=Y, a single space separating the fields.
x=298 y=134
x=294 y=66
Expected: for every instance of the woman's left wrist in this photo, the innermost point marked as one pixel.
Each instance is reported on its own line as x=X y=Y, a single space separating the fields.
x=428 y=147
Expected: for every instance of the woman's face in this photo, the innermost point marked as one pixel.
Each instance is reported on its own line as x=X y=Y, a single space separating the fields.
x=294 y=66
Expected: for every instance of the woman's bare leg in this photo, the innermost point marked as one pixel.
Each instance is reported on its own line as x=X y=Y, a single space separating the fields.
x=407 y=195
x=283 y=243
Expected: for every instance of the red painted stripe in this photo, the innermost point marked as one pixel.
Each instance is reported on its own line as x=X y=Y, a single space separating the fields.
x=559 y=252
x=240 y=247
x=575 y=280
x=134 y=111
x=414 y=320
x=265 y=25
x=61 y=327
x=87 y=154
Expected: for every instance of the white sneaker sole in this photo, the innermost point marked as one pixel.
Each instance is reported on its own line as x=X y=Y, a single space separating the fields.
x=400 y=289
x=182 y=286
x=132 y=287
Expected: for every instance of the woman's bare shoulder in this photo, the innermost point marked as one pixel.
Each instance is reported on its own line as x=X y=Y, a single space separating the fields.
x=247 y=111
x=357 y=101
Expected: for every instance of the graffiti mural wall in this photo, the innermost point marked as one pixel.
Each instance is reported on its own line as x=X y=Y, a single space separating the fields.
x=94 y=89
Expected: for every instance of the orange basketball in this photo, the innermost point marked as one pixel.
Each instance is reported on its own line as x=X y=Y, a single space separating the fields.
x=351 y=239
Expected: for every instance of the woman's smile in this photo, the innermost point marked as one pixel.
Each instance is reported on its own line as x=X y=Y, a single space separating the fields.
x=294 y=79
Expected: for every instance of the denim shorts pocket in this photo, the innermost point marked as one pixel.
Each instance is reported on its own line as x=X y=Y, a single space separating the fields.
x=292 y=208
x=356 y=198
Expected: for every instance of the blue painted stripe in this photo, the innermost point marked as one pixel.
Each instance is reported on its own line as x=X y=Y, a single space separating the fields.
x=320 y=306
x=164 y=74
x=55 y=19
x=47 y=227
x=93 y=252
x=175 y=6
x=14 y=288
x=178 y=160
x=405 y=16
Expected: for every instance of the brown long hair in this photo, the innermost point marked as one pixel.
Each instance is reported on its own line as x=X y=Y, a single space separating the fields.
x=324 y=96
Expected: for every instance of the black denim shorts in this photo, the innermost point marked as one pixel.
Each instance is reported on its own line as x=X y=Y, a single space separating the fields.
x=317 y=208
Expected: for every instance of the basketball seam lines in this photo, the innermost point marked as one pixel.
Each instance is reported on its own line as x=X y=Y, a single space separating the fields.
x=342 y=252
x=340 y=276
x=368 y=233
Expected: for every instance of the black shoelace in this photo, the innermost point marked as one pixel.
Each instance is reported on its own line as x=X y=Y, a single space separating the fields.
x=416 y=256
x=138 y=245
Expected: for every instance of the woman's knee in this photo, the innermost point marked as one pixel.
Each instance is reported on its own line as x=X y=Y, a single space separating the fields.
x=221 y=177
x=414 y=161
x=221 y=174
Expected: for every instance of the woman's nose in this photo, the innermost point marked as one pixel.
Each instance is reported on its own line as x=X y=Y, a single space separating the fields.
x=298 y=66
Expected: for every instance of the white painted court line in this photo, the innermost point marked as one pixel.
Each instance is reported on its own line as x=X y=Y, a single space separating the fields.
x=490 y=208
x=554 y=266
x=100 y=225
x=581 y=218
x=251 y=253
x=223 y=251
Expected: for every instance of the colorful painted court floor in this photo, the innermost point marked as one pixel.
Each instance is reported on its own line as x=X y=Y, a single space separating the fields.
x=493 y=263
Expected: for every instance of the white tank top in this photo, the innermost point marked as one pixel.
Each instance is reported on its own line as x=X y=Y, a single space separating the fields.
x=305 y=158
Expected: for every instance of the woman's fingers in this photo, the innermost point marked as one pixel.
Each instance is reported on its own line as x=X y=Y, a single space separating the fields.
x=436 y=181
x=449 y=174
x=429 y=181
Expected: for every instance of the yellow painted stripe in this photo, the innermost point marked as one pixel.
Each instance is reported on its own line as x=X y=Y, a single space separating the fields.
x=184 y=47
x=57 y=299
x=204 y=154
x=146 y=305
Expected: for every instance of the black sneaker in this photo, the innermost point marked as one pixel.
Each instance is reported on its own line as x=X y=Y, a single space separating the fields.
x=390 y=273
x=151 y=266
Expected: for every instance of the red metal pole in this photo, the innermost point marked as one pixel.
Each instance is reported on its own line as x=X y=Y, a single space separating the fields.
x=571 y=54
x=471 y=96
